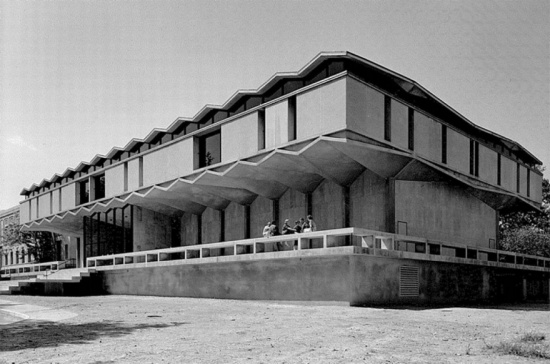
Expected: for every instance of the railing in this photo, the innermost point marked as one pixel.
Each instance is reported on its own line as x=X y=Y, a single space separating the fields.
x=371 y=239
x=31 y=269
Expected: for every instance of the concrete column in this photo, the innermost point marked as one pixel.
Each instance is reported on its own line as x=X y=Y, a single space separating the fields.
x=222 y=226
x=524 y=290
x=246 y=221
x=390 y=207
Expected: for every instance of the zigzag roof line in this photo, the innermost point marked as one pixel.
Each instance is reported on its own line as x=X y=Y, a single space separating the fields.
x=405 y=83
x=144 y=192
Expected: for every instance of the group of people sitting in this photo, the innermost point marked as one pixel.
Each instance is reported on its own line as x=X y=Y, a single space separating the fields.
x=300 y=226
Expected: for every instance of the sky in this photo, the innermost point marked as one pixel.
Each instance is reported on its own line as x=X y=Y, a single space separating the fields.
x=80 y=77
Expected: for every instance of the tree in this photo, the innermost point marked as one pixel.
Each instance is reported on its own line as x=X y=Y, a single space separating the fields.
x=528 y=232
x=41 y=244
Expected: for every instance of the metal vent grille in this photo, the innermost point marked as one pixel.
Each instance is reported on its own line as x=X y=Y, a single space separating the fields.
x=408 y=281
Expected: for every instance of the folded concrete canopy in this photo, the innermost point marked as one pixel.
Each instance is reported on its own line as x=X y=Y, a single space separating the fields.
x=348 y=141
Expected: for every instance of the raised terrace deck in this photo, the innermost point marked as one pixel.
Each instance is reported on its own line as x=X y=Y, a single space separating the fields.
x=363 y=241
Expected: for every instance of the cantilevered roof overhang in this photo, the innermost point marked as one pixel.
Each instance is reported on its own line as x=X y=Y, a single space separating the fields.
x=340 y=157
x=387 y=79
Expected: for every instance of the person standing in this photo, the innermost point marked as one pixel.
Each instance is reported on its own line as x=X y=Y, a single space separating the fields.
x=312 y=224
x=287 y=229
x=267 y=230
x=309 y=225
x=297 y=227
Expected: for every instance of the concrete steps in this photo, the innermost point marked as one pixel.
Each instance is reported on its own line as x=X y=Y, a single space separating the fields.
x=63 y=282
x=8 y=287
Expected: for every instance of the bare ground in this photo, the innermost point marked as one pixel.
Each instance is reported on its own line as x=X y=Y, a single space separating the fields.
x=134 y=329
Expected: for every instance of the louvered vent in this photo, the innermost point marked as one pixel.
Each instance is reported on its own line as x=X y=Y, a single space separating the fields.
x=408 y=281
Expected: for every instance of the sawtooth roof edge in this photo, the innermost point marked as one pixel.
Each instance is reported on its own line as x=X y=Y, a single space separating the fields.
x=318 y=59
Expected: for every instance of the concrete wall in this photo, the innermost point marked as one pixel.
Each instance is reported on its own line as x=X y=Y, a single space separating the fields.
x=133 y=174
x=399 y=124
x=276 y=124
x=458 y=151
x=359 y=279
x=441 y=211
x=292 y=206
x=321 y=110
x=261 y=211
x=439 y=283
x=277 y=279
x=33 y=208
x=235 y=223
x=189 y=229
x=523 y=180
x=508 y=173
x=488 y=165
x=240 y=138
x=114 y=180
x=55 y=199
x=168 y=163
x=369 y=201
x=44 y=205
x=365 y=109
x=24 y=211
x=328 y=206
x=536 y=187
x=151 y=230
x=427 y=137
x=68 y=196
x=211 y=226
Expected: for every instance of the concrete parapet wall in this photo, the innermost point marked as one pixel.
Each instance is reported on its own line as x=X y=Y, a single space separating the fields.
x=360 y=279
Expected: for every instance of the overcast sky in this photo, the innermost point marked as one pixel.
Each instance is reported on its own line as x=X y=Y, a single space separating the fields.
x=80 y=77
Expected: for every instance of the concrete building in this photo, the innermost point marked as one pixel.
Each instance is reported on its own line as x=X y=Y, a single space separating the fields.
x=346 y=140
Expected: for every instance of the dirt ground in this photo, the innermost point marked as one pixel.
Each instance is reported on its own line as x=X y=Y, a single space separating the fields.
x=134 y=329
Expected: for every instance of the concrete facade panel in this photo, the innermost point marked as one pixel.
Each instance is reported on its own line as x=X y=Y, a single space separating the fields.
x=508 y=170
x=328 y=206
x=523 y=180
x=399 y=124
x=276 y=124
x=211 y=226
x=68 y=196
x=44 y=205
x=536 y=187
x=133 y=174
x=245 y=131
x=114 y=181
x=321 y=110
x=168 y=163
x=441 y=211
x=235 y=222
x=55 y=199
x=365 y=109
x=261 y=211
x=151 y=230
x=488 y=165
x=369 y=201
x=458 y=151
x=427 y=137
x=292 y=206
x=24 y=209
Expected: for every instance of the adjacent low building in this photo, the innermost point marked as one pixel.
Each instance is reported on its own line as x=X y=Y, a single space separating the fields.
x=346 y=140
